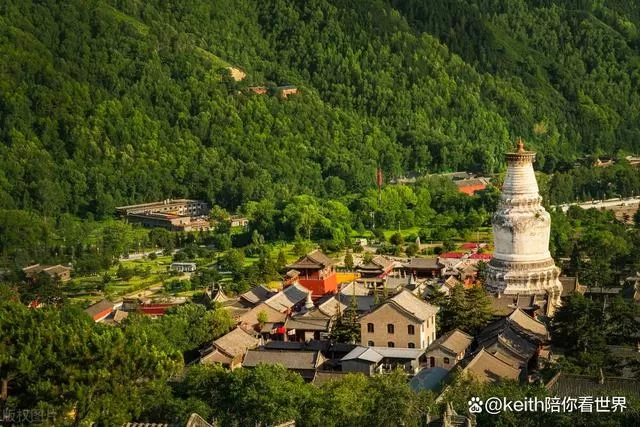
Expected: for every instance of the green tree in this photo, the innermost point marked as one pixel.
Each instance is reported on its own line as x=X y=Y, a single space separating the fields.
x=161 y=238
x=481 y=269
x=622 y=321
x=379 y=235
x=218 y=214
x=577 y=327
x=396 y=239
x=348 y=260
x=233 y=261
x=454 y=312
x=347 y=327
x=411 y=249
x=262 y=317
x=281 y=262
x=478 y=311
x=123 y=272
x=190 y=325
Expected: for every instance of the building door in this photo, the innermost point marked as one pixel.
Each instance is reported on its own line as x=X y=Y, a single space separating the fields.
x=432 y=361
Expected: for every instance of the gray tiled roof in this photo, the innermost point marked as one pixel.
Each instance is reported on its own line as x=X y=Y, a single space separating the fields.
x=367 y=354
x=399 y=352
x=423 y=263
x=580 y=385
x=485 y=367
x=298 y=360
x=378 y=262
x=376 y=354
x=258 y=294
x=417 y=307
x=315 y=259
x=307 y=323
x=333 y=304
x=354 y=288
x=236 y=342
x=289 y=297
x=98 y=307
x=251 y=317
x=501 y=340
x=455 y=341
x=529 y=325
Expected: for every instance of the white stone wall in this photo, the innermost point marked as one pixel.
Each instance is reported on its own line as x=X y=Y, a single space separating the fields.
x=520 y=181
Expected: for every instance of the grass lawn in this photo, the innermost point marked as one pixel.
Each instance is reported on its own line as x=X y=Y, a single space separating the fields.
x=405 y=232
x=290 y=256
x=118 y=287
x=188 y=293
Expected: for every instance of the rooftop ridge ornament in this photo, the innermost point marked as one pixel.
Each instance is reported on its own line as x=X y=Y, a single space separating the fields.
x=520 y=154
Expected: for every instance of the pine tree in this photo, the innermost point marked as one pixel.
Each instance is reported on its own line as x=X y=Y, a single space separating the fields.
x=454 y=312
x=440 y=299
x=348 y=260
x=282 y=260
x=478 y=312
x=347 y=328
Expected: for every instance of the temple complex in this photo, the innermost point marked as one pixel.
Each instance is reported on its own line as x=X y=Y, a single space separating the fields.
x=522 y=268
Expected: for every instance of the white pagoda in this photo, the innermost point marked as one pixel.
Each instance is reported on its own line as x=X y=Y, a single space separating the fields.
x=521 y=263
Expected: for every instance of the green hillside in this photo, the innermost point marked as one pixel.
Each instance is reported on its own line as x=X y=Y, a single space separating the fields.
x=104 y=102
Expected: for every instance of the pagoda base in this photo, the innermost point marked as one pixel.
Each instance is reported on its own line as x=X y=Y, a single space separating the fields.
x=525 y=278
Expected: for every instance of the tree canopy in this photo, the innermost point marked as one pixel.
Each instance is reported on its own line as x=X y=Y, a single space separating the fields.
x=108 y=102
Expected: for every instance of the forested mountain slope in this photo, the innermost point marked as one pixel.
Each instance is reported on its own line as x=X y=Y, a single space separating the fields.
x=104 y=102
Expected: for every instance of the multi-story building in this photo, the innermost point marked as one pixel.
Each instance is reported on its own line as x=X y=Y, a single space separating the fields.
x=402 y=321
x=316 y=273
x=180 y=207
x=176 y=215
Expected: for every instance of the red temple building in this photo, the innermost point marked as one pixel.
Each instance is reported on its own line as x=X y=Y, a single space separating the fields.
x=316 y=273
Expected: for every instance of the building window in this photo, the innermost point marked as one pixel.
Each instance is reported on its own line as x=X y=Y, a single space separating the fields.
x=390 y=328
x=446 y=360
x=411 y=330
x=371 y=344
x=370 y=328
x=390 y=344
x=411 y=345
x=433 y=336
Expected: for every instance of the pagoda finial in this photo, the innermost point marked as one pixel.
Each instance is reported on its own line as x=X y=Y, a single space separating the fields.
x=520 y=145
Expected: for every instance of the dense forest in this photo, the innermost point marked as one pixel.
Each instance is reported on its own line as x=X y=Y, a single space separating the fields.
x=106 y=102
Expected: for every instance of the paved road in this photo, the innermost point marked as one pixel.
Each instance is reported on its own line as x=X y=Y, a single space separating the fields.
x=604 y=204
x=140 y=255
